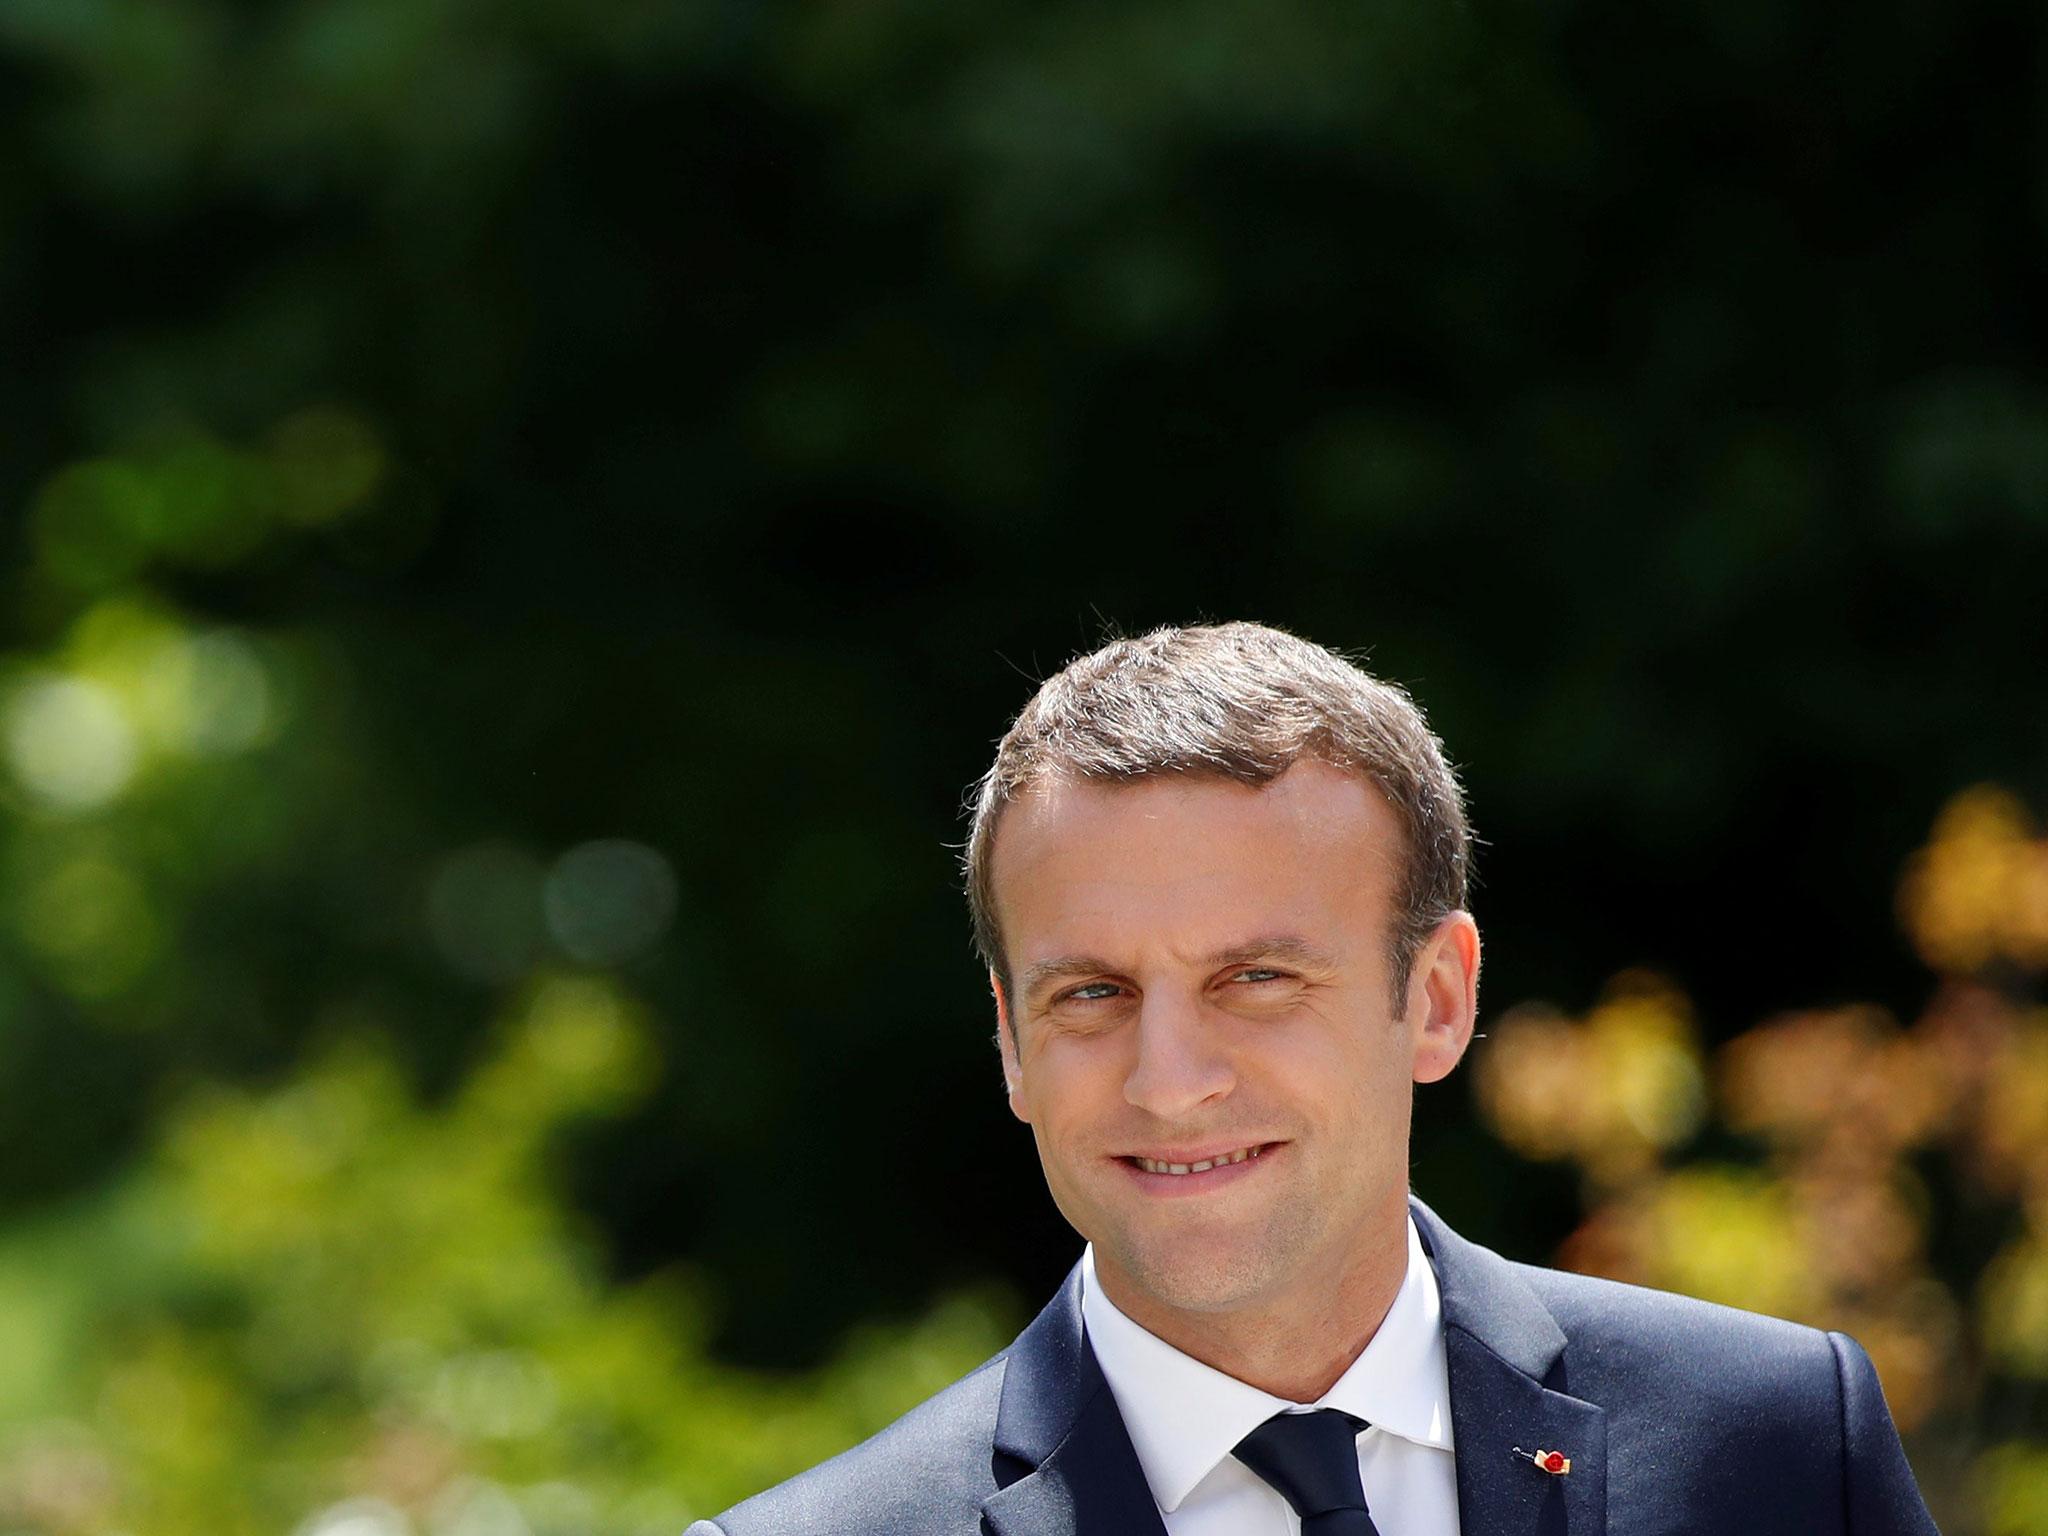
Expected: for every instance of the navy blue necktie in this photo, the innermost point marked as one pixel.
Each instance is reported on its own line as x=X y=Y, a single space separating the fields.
x=1311 y=1459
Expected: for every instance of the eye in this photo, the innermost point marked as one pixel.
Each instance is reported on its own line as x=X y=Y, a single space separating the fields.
x=1089 y=992
x=1252 y=973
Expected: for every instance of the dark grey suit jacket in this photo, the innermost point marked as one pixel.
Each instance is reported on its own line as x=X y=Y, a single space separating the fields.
x=1678 y=1417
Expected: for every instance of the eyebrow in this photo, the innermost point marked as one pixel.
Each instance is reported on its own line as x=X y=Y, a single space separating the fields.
x=1279 y=946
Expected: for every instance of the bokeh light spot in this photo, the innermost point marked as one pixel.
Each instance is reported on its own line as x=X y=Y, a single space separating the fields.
x=358 y=1517
x=209 y=694
x=561 y=1508
x=473 y=1507
x=582 y=1039
x=89 y=523
x=609 y=900
x=496 y=1394
x=69 y=742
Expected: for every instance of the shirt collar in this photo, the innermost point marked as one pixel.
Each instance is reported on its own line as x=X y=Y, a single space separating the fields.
x=1184 y=1417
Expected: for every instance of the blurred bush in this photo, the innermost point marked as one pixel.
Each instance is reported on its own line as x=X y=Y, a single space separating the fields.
x=1842 y=1169
x=330 y=1308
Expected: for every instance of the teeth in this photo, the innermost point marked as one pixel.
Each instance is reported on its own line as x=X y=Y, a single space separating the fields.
x=1153 y=1165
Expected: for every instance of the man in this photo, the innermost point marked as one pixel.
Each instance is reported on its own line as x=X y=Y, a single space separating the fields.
x=1218 y=877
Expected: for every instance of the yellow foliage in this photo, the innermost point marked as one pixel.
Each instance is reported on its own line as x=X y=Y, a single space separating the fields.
x=2010 y=1129
x=1612 y=1092
x=1978 y=891
x=1729 y=1235
x=2012 y=1314
x=1846 y=1077
x=2013 y=1487
x=1829 y=1223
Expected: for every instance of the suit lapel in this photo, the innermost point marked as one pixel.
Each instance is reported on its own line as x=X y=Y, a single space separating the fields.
x=1059 y=1427
x=1090 y=1485
x=1505 y=1357
x=1072 y=1471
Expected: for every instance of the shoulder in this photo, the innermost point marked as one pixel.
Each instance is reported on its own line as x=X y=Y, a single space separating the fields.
x=1617 y=1331
x=1593 y=1338
x=1621 y=1320
x=1681 y=1376
x=928 y=1471
x=1690 y=1387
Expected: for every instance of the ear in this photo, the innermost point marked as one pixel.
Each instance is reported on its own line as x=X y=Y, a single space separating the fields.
x=1006 y=1046
x=1443 y=996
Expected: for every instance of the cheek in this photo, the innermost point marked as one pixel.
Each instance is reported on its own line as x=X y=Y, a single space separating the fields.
x=1367 y=1091
x=1068 y=1089
x=1319 y=1066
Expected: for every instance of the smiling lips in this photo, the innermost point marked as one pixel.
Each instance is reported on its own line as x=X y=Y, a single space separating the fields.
x=1201 y=1165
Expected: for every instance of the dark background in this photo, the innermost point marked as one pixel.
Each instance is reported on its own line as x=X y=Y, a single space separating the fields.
x=759 y=400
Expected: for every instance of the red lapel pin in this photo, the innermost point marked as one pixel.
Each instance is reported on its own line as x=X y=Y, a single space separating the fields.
x=1556 y=1463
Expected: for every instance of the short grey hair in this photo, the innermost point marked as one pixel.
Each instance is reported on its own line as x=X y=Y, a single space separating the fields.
x=1237 y=701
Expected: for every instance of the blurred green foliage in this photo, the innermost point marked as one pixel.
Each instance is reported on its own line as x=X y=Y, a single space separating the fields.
x=326 y=1307
x=512 y=495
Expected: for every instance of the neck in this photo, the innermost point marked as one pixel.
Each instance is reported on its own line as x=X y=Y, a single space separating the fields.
x=1293 y=1344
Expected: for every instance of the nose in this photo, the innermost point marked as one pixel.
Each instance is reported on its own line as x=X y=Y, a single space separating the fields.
x=1181 y=1064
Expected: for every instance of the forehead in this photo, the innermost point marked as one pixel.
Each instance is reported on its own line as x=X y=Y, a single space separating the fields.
x=1194 y=861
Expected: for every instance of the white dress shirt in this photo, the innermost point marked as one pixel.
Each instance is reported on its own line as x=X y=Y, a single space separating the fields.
x=1185 y=1417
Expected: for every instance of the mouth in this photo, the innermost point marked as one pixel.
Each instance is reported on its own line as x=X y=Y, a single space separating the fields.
x=1178 y=1174
x=1199 y=1165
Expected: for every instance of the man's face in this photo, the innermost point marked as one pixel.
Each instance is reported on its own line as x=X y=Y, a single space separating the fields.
x=1200 y=971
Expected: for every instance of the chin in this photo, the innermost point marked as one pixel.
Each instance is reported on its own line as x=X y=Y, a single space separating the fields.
x=1190 y=1275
